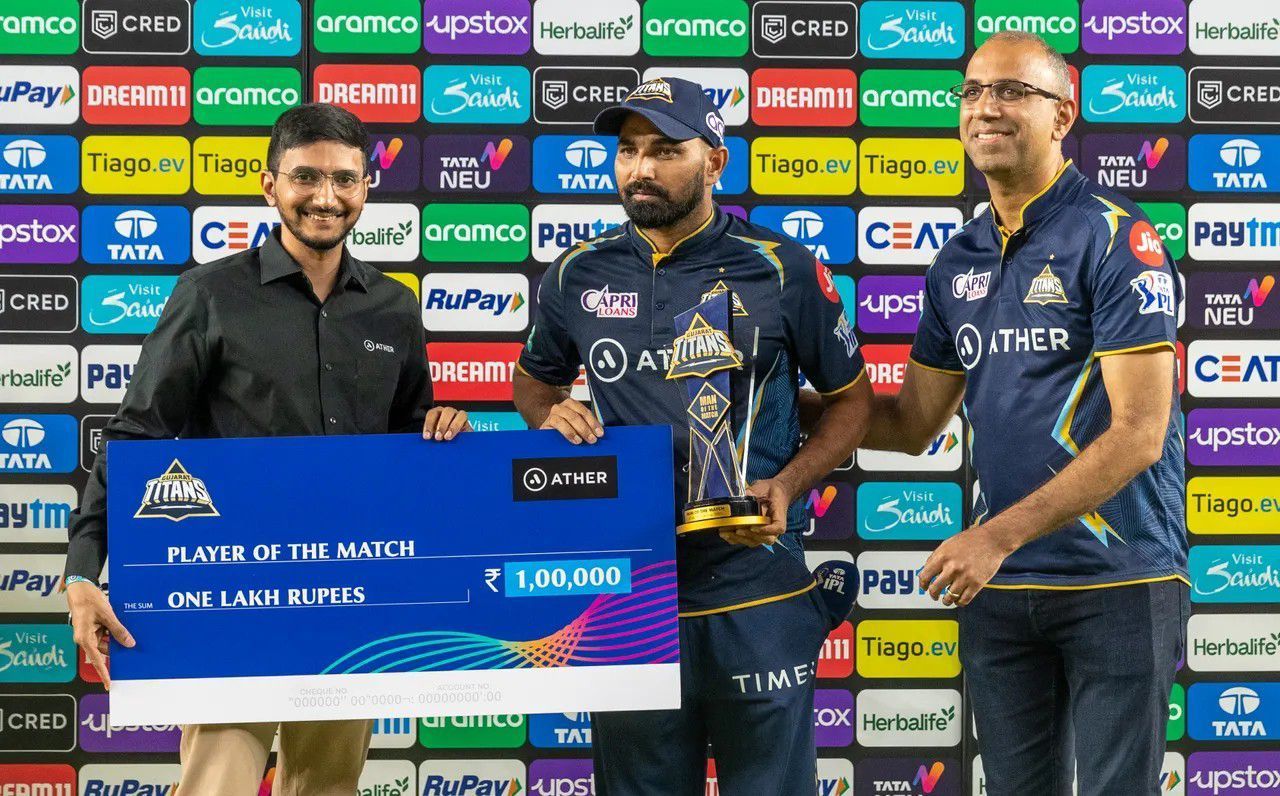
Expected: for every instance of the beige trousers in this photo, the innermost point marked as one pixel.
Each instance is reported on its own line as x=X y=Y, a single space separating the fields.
x=317 y=758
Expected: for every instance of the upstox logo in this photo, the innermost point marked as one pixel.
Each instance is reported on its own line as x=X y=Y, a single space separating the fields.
x=244 y=96
x=909 y=98
x=229 y=165
x=911 y=167
x=1055 y=21
x=706 y=28
x=821 y=166
x=1231 y=505
x=472 y=233
x=372 y=26
x=40 y=27
x=908 y=648
x=135 y=164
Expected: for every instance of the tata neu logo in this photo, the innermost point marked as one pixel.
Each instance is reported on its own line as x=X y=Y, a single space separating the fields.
x=136 y=95
x=472 y=371
x=373 y=92
x=477 y=163
x=1136 y=161
x=916 y=776
x=804 y=97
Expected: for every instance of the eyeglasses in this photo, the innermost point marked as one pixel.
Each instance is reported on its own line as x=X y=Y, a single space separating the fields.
x=307 y=180
x=1006 y=92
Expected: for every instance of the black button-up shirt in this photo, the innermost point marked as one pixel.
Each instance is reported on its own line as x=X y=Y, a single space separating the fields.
x=245 y=349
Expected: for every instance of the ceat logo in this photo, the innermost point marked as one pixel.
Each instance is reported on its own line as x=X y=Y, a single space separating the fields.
x=1145 y=244
x=826 y=282
x=136 y=95
x=804 y=97
x=836 y=657
x=219 y=231
x=905 y=235
x=886 y=366
x=1235 y=368
x=373 y=92
x=472 y=371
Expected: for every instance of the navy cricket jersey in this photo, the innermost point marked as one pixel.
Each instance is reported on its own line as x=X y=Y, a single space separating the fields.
x=1025 y=318
x=609 y=303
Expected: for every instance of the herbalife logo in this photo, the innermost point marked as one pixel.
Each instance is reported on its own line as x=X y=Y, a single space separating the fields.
x=615 y=29
x=49 y=376
x=937 y=721
x=1267 y=644
x=175 y=496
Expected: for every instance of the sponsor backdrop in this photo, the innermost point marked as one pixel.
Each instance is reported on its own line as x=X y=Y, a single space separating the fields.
x=131 y=137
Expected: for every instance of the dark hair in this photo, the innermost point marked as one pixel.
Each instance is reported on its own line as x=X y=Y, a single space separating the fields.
x=316 y=121
x=1057 y=64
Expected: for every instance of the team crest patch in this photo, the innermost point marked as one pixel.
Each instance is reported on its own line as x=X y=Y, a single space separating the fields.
x=1155 y=293
x=701 y=351
x=176 y=495
x=844 y=333
x=656 y=89
x=1046 y=289
x=739 y=309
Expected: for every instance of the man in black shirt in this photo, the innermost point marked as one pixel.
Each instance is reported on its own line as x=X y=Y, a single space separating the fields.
x=295 y=337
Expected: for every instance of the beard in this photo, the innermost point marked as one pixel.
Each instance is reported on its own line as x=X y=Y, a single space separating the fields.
x=664 y=210
x=293 y=220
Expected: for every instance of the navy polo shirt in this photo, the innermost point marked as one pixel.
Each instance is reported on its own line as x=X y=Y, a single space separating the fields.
x=610 y=303
x=1025 y=318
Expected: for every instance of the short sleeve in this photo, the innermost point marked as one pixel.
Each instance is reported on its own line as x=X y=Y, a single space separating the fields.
x=934 y=346
x=1135 y=292
x=821 y=335
x=549 y=354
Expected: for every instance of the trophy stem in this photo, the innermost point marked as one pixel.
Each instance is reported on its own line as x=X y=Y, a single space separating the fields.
x=751 y=396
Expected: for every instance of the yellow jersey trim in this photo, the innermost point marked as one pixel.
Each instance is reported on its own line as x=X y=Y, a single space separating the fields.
x=1132 y=349
x=752 y=603
x=1011 y=587
x=660 y=256
x=856 y=379
x=920 y=364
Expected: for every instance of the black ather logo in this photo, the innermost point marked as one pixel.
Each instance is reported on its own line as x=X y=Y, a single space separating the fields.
x=565 y=478
x=176 y=495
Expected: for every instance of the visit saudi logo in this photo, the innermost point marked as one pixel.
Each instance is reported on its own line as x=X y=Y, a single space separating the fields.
x=175 y=496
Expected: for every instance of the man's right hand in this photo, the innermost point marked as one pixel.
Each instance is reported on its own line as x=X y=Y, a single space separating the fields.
x=92 y=621
x=575 y=421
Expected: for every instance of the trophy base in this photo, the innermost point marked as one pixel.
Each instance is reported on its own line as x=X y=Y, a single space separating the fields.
x=717 y=514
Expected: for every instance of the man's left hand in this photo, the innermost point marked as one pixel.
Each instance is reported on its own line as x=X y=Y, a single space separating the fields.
x=962 y=566
x=775 y=497
x=444 y=423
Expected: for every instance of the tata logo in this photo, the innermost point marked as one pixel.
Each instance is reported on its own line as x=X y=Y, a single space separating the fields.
x=1233 y=711
x=39 y=164
x=892 y=29
x=560 y=730
x=219 y=231
x=124 y=304
x=31 y=95
x=1234 y=231
x=248 y=27
x=827 y=231
x=905 y=235
x=475 y=94
x=1113 y=93
x=908 y=510
x=560 y=227
x=574 y=164
x=136 y=234
x=37 y=443
x=1233 y=163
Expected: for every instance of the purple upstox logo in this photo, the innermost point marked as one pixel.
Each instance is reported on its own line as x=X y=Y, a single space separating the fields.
x=39 y=234
x=1144 y=27
x=1233 y=773
x=833 y=717
x=561 y=778
x=477 y=27
x=1234 y=437
x=96 y=735
x=890 y=304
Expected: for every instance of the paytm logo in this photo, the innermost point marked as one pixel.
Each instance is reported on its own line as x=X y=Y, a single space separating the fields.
x=105 y=371
x=39 y=164
x=926 y=510
x=475 y=302
x=136 y=234
x=1232 y=232
x=1152 y=94
x=1234 y=368
x=890 y=579
x=892 y=29
x=828 y=232
x=124 y=304
x=219 y=231
x=1233 y=163
x=560 y=227
x=1233 y=711
x=574 y=164
x=905 y=235
x=38 y=444
x=35 y=512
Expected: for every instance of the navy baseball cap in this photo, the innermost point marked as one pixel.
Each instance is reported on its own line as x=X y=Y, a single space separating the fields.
x=679 y=109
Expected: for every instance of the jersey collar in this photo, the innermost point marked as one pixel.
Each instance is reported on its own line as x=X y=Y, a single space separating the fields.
x=708 y=231
x=275 y=263
x=1044 y=200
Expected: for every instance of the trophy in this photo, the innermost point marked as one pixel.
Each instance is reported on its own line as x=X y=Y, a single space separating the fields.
x=703 y=356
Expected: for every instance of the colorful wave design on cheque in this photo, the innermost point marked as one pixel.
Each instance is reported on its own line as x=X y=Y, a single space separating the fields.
x=614 y=629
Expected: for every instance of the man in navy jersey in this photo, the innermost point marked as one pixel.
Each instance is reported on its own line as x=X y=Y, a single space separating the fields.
x=1052 y=314
x=748 y=604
